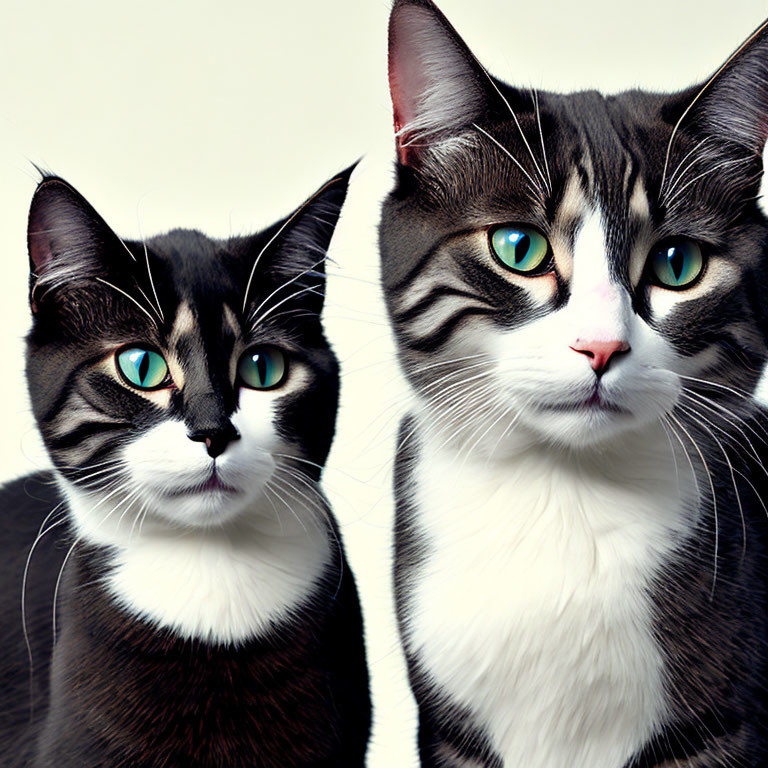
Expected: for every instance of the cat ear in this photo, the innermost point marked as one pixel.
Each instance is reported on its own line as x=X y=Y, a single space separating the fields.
x=295 y=250
x=436 y=83
x=66 y=239
x=311 y=226
x=733 y=104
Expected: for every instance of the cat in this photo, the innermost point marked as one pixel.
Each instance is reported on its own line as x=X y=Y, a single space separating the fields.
x=178 y=575
x=577 y=286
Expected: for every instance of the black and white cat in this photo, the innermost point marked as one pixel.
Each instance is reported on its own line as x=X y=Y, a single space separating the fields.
x=187 y=601
x=577 y=285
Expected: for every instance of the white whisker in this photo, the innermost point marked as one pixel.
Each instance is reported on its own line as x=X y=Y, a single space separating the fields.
x=129 y=297
x=531 y=183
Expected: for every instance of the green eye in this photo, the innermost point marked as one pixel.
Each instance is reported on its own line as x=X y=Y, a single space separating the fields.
x=522 y=249
x=262 y=368
x=676 y=263
x=142 y=368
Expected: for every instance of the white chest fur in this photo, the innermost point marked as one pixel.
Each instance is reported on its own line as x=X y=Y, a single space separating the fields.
x=532 y=607
x=223 y=585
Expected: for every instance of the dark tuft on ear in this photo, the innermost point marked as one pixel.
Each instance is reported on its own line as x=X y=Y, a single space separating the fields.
x=437 y=85
x=66 y=239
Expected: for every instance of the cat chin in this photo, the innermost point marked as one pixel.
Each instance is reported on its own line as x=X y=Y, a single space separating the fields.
x=208 y=509
x=583 y=427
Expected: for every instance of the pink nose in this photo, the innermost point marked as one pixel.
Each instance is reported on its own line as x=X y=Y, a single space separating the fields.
x=599 y=352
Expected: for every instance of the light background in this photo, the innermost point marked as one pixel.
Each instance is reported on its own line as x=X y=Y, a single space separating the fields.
x=224 y=116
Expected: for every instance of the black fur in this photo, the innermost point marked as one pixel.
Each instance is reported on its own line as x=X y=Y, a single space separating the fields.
x=114 y=689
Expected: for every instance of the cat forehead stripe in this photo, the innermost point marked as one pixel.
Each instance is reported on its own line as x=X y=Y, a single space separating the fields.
x=184 y=323
x=638 y=202
x=231 y=319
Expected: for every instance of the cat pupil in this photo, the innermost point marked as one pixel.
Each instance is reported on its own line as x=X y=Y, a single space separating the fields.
x=143 y=367
x=521 y=248
x=261 y=367
x=676 y=261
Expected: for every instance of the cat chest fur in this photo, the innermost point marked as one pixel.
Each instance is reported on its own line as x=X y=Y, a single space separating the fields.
x=532 y=607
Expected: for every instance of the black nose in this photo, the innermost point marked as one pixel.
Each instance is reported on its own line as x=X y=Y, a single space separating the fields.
x=216 y=439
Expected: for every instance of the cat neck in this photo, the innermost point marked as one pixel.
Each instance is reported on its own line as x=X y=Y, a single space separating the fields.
x=643 y=469
x=498 y=446
x=540 y=546
x=221 y=585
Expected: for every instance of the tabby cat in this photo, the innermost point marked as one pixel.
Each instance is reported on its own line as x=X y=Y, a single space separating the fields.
x=175 y=591
x=577 y=284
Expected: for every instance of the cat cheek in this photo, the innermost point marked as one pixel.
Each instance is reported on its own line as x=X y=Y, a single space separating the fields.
x=541 y=289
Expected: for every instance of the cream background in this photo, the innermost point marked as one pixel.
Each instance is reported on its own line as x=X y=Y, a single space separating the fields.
x=225 y=116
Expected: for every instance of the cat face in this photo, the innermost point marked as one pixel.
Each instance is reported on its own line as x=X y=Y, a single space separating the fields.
x=571 y=267
x=180 y=380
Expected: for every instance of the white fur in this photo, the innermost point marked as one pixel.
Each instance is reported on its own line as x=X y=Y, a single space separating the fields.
x=544 y=528
x=225 y=585
x=536 y=368
x=599 y=309
x=532 y=608
x=165 y=460
x=221 y=567
x=639 y=207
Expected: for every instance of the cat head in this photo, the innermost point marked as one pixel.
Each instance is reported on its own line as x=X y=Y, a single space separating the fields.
x=180 y=379
x=572 y=267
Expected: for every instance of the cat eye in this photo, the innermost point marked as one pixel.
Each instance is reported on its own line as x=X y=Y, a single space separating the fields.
x=262 y=368
x=142 y=368
x=520 y=248
x=676 y=263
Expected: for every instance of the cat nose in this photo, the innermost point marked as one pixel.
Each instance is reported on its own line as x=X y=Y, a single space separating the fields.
x=600 y=352
x=217 y=439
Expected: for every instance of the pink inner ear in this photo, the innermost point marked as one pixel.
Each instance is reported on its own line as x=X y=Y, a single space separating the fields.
x=408 y=81
x=39 y=244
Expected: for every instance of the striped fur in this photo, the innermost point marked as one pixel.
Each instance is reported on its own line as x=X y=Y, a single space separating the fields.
x=580 y=567
x=200 y=603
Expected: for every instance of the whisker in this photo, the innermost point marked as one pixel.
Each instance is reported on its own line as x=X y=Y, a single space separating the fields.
x=514 y=117
x=277 y=234
x=323 y=511
x=701 y=93
x=497 y=406
x=674 y=456
x=129 y=297
x=149 y=302
x=509 y=428
x=743 y=393
x=664 y=420
x=284 y=285
x=724 y=164
x=42 y=531
x=703 y=421
x=716 y=408
x=266 y=314
x=149 y=269
x=672 y=182
x=268 y=493
x=72 y=548
x=714 y=498
x=531 y=183
x=541 y=137
x=283 y=486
